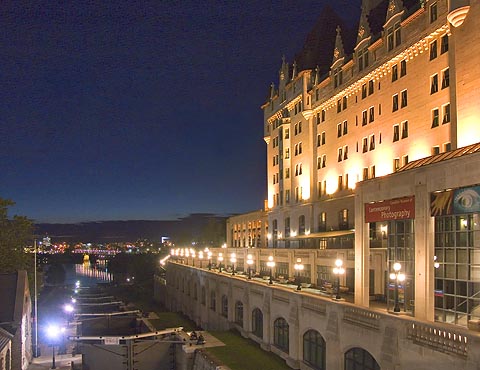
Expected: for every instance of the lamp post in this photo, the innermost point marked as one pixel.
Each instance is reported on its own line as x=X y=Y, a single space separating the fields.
x=53 y=332
x=298 y=268
x=338 y=270
x=200 y=257
x=209 y=255
x=249 y=263
x=271 y=264
x=233 y=260
x=397 y=276
x=220 y=259
x=192 y=253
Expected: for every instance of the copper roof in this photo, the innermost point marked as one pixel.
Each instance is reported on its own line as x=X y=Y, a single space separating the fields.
x=460 y=152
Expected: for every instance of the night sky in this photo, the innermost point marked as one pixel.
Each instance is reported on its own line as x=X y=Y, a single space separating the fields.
x=121 y=110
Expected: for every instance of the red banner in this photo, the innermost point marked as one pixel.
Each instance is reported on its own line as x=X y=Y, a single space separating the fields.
x=392 y=209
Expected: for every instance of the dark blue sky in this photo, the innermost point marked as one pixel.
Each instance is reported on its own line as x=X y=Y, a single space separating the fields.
x=116 y=110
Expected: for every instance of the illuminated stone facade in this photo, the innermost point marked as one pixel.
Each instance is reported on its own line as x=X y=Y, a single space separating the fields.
x=248 y=230
x=408 y=91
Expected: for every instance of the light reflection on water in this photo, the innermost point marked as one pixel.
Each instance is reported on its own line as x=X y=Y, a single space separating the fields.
x=88 y=275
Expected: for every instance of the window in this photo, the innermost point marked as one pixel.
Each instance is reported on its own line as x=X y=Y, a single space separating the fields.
x=324 y=161
x=403 y=68
x=371 y=114
x=339 y=130
x=287 y=196
x=405 y=160
x=362 y=59
x=337 y=77
x=445 y=78
x=444 y=44
x=395 y=103
x=340 y=182
x=287 y=227
x=365 y=173
x=434 y=84
x=365 y=145
x=364 y=118
x=323 y=115
x=298 y=148
x=239 y=313
x=280 y=334
x=323 y=137
x=343 y=219
x=370 y=87
x=372 y=142
x=287 y=173
x=364 y=91
x=435 y=117
x=322 y=222
x=319 y=140
x=446 y=113
x=394 y=36
x=396 y=164
x=404 y=99
x=339 y=106
x=372 y=172
x=433 y=50
x=287 y=153
x=394 y=73
x=435 y=150
x=345 y=127
x=224 y=311
x=344 y=102
x=287 y=133
x=396 y=132
x=257 y=323
x=358 y=358
x=298 y=169
x=345 y=152
x=447 y=147
x=301 y=225
x=404 y=129
x=340 y=154
x=298 y=128
x=433 y=12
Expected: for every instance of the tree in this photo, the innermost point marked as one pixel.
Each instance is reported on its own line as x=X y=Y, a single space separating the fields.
x=56 y=274
x=15 y=235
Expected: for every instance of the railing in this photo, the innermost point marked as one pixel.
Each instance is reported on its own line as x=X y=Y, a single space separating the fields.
x=438 y=339
x=360 y=317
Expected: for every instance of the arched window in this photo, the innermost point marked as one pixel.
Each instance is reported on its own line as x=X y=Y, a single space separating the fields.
x=239 y=313
x=203 y=296
x=257 y=323
x=280 y=334
x=212 y=300
x=359 y=359
x=314 y=349
x=224 y=306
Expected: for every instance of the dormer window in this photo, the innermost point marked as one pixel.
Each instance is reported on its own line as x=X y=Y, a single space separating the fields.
x=362 y=59
x=337 y=77
x=394 y=36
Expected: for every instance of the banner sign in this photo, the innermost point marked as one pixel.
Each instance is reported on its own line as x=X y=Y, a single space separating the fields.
x=455 y=201
x=392 y=209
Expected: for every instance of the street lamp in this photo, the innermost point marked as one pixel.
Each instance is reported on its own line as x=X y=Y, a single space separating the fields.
x=220 y=259
x=53 y=332
x=233 y=260
x=249 y=263
x=200 y=257
x=271 y=264
x=397 y=276
x=209 y=255
x=298 y=268
x=192 y=253
x=338 y=270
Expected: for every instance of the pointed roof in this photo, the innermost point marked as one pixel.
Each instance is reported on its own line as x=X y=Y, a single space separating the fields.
x=363 y=27
x=394 y=7
x=338 y=51
x=294 y=71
